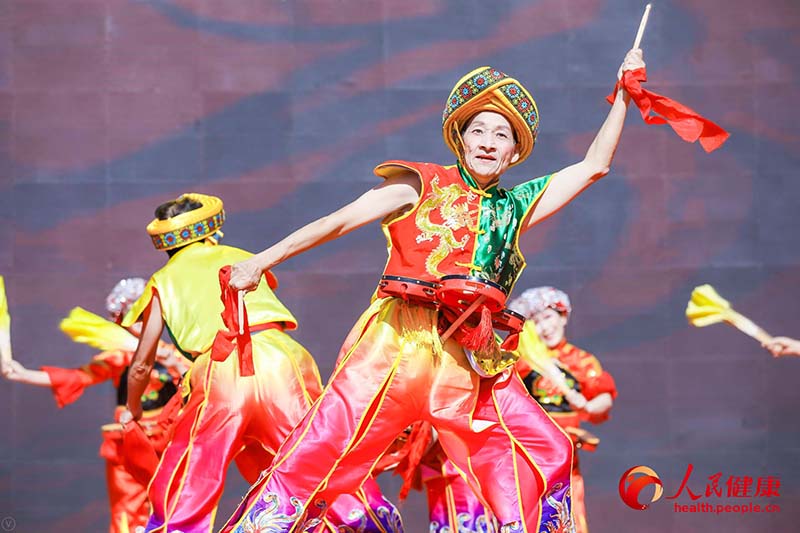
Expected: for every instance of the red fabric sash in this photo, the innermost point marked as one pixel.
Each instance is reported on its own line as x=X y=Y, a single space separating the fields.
x=687 y=123
x=229 y=338
x=139 y=454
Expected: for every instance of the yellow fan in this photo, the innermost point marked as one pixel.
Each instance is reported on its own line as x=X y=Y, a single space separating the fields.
x=5 y=319
x=5 y=326
x=533 y=351
x=88 y=328
x=707 y=307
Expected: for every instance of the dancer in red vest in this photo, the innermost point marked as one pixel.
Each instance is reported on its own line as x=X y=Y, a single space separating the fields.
x=453 y=255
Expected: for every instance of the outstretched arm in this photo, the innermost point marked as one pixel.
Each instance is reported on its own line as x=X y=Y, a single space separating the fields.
x=15 y=371
x=67 y=384
x=389 y=197
x=571 y=181
x=780 y=346
x=143 y=359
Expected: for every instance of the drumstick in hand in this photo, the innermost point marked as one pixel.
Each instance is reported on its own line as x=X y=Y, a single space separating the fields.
x=240 y=302
x=642 y=26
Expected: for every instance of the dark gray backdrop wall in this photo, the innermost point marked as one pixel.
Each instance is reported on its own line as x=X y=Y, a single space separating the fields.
x=282 y=108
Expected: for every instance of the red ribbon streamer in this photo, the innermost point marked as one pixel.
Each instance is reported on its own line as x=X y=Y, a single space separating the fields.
x=229 y=338
x=687 y=123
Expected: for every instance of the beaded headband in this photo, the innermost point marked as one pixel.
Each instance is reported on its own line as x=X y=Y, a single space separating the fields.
x=195 y=225
x=488 y=89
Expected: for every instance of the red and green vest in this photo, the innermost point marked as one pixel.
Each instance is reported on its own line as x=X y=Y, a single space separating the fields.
x=457 y=228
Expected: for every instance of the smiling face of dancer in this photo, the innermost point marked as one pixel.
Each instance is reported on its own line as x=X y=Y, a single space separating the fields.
x=489 y=147
x=550 y=325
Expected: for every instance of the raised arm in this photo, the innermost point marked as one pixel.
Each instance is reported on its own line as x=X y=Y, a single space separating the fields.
x=143 y=359
x=572 y=180
x=391 y=196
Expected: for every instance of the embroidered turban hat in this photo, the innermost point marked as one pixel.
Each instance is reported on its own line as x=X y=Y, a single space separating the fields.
x=192 y=226
x=488 y=89
x=536 y=300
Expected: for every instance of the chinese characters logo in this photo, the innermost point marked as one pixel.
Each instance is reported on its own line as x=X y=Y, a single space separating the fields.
x=636 y=479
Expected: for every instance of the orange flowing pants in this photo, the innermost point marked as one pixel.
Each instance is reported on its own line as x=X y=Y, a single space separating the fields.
x=393 y=370
x=229 y=417
x=127 y=496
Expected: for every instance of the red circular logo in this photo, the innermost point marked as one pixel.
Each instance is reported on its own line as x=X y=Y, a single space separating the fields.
x=633 y=481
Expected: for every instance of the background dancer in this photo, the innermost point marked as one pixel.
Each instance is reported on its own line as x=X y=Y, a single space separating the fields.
x=127 y=493
x=592 y=389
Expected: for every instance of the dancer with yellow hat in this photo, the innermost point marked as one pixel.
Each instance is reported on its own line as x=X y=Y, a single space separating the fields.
x=239 y=408
x=425 y=349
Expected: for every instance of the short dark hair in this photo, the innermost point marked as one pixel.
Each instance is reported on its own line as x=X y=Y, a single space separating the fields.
x=174 y=208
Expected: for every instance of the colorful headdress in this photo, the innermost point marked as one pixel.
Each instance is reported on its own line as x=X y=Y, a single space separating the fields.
x=538 y=299
x=488 y=89
x=195 y=225
x=122 y=296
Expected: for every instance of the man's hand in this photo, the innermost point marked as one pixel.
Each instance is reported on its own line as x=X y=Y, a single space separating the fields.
x=780 y=346
x=634 y=59
x=130 y=414
x=13 y=370
x=246 y=275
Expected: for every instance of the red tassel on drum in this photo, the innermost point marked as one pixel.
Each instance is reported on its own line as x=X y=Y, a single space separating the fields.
x=511 y=343
x=481 y=337
x=418 y=443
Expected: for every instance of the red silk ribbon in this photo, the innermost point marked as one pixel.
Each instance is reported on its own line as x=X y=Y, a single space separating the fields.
x=687 y=123
x=229 y=339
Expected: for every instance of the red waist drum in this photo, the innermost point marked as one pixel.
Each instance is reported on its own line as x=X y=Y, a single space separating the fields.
x=458 y=292
x=408 y=289
x=508 y=320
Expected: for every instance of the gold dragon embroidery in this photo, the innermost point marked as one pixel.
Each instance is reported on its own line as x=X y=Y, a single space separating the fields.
x=454 y=218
